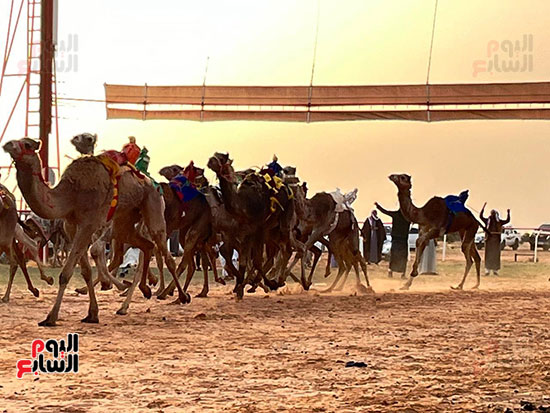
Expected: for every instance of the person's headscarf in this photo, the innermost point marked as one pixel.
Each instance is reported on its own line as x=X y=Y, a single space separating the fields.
x=373 y=217
x=493 y=216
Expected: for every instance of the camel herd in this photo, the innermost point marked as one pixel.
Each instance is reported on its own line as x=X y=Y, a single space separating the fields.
x=269 y=220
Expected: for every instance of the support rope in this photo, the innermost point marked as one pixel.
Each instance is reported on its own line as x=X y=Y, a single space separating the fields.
x=430 y=61
x=313 y=62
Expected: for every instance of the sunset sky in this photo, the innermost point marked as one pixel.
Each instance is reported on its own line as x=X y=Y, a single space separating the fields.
x=361 y=42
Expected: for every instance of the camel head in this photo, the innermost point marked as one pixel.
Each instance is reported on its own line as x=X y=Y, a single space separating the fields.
x=169 y=172
x=23 y=150
x=241 y=175
x=401 y=181
x=85 y=143
x=221 y=165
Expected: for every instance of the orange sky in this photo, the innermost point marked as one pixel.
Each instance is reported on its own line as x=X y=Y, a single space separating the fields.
x=360 y=42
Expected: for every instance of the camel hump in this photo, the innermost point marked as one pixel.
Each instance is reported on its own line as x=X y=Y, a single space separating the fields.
x=86 y=174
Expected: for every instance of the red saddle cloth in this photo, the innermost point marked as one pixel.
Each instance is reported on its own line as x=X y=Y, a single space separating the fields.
x=119 y=157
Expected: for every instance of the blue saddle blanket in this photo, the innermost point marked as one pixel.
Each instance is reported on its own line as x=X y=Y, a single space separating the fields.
x=183 y=188
x=456 y=203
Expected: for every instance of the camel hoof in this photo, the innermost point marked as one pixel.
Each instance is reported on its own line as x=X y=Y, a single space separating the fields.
x=220 y=281
x=35 y=292
x=202 y=294
x=123 y=294
x=457 y=288
x=49 y=280
x=82 y=290
x=185 y=298
x=252 y=289
x=239 y=291
x=161 y=295
x=146 y=291
x=272 y=284
x=106 y=286
x=5 y=299
x=122 y=311
x=475 y=287
x=47 y=323
x=406 y=287
x=90 y=319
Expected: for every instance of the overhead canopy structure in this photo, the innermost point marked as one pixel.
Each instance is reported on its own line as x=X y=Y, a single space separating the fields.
x=330 y=103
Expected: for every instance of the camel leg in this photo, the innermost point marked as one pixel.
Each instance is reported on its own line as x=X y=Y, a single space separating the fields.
x=467 y=251
x=93 y=309
x=43 y=276
x=104 y=272
x=81 y=241
x=316 y=256
x=182 y=266
x=212 y=260
x=32 y=247
x=288 y=270
x=20 y=260
x=328 y=269
x=363 y=265
x=344 y=279
x=13 y=270
x=315 y=236
x=158 y=234
x=341 y=271
x=477 y=260
x=152 y=279
x=160 y=266
x=205 y=264
x=100 y=258
x=123 y=310
x=421 y=243
x=239 y=281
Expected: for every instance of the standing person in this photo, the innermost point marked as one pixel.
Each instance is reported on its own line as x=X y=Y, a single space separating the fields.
x=492 y=240
x=427 y=261
x=399 y=253
x=374 y=236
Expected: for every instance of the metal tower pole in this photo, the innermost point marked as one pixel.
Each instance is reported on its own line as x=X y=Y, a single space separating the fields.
x=46 y=64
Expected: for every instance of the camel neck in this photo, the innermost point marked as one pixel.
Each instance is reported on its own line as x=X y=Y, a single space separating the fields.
x=301 y=203
x=229 y=194
x=409 y=211
x=38 y=195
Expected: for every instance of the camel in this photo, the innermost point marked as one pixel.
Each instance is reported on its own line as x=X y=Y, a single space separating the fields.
x=85 y=144
x=434 y=220
x=344 y=245
x=8 y=245
x=255 y=207
x=83 y=199
x=193 y=220
x=317 y=217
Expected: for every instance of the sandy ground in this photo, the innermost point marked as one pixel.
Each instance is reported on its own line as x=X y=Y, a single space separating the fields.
x=429 y=349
